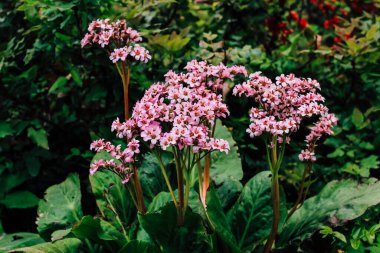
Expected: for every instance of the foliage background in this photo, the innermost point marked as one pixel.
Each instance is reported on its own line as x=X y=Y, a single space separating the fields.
x=56 y=97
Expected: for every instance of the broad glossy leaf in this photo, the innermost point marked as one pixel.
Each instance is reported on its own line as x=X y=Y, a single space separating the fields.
x=338 y=201
x=228 y=192
x=151 y=177
x=218 y=220
x=226 y=169
x=108 y=232
x=108 y=189
x=99 y=231
x=251 y=216
x=139 y=246
x=225 y=166
x=87 y=227
x=61 y=207
x=18 y=240
x=20 y=199
x=69 y=245
x=161 y=225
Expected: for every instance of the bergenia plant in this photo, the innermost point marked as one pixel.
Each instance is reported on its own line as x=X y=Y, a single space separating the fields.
x=121 y=44
x=179 y=116
x=281 y=108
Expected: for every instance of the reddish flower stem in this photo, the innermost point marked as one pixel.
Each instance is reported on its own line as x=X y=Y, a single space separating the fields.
x=126 y=78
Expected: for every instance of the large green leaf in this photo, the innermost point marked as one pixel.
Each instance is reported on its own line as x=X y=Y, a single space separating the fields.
x=18 y=240
x=218 y=220
x=109 y=190
x=61 y=207
x=20 y=199
x=161 y=225
x=151 y=177
x=69 y=245
x=139 y=246
x=338 y=201
x=86 y=228
x=251 y=216
x=225 y=166
x=99 y=231
x=226 y=169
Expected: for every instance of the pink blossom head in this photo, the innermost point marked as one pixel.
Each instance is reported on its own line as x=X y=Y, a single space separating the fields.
x=118 y=39
x=283 y=104
x=181 y=111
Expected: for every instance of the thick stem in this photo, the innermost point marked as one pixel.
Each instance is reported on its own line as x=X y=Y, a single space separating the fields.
x=187 y=190
x=300 y=191
x=276 y=213
x=126 y=71
x=206 y=179
x=181 y=203
x=139 y=192
x=275 y=194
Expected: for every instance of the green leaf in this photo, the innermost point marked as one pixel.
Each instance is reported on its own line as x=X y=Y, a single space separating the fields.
x=18 y=240
x=60 y=234
x=226 y=169
x=251 y=216
x=58 y=85
x=371 y=32
x=76 y=76
x=139 y=246
x=219 y=221
x=5 y=129
x=339 y=201
x=161 y=225
x=225 y=166
x=86 y=228
x=357 y=117
x=151 y=177
x=161 y=199
x=108 y=232
x=61 y=207
x=20 y=199
x=370 y=162
x=228 y=192
x=69 y=245
x=39 y=137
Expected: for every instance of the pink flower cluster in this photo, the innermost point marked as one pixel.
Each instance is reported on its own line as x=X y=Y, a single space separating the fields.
x=179 y=112
x=201 y=73
x=123 y=157
x=123 y=39
x=283 y=105
x=322 y=127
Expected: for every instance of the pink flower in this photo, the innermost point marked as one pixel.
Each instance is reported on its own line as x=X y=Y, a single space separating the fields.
x=96 y=165
x=306 y=155
x=118 y=38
